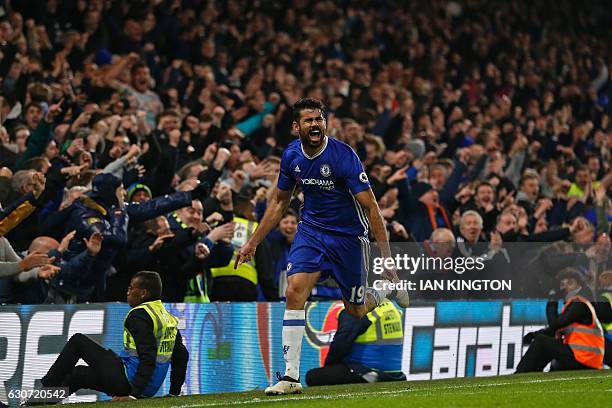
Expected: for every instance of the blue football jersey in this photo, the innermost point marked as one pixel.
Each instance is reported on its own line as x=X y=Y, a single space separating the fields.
x=329 y=181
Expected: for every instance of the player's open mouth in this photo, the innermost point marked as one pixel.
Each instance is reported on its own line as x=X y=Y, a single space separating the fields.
x=315 y=135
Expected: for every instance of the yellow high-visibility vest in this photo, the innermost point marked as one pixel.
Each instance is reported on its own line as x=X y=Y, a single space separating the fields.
x=165 y=328
x=244 y=229
x=380 y=346
x=386 y=327
x=608 y=326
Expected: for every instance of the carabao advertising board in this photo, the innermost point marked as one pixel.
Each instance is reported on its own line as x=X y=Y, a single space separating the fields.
x=236 y=346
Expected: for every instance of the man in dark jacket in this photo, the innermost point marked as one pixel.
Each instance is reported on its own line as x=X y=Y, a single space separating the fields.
x=423 y=209
x=28 y=229
x=102 y=210
x=217 y=240
x=20 y=209
x=66 y=287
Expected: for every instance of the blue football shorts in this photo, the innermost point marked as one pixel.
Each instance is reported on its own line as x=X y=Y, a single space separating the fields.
x=343 y=257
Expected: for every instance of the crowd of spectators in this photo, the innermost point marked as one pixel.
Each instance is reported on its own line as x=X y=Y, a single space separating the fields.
x=134 y=131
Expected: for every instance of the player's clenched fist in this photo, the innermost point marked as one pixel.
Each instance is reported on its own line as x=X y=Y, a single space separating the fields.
x=245 y=254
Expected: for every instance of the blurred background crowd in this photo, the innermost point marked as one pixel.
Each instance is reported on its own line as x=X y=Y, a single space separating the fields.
x=146 y=134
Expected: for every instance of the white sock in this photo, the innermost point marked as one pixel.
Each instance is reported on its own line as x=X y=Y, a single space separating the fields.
x=293 y=331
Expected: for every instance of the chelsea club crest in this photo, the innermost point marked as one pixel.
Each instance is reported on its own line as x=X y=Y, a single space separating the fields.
x=325 y=170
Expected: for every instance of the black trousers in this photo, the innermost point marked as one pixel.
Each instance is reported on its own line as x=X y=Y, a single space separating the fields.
x=334 y=374
x=233 y=289
x=104 y=372
x=543 y=350
x=608 y=353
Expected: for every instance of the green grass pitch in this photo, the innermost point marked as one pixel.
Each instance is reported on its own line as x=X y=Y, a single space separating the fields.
x=561 y=389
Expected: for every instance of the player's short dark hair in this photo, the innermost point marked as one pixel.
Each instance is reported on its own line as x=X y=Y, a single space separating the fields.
x=306 y=103
x=150 y=281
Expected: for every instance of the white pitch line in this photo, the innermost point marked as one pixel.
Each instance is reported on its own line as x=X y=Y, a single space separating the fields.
x=294 y=398
x=422 y=391
x=483 y=392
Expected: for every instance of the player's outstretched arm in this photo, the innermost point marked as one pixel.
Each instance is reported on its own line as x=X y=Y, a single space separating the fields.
x=377 y=224
x=276 y=208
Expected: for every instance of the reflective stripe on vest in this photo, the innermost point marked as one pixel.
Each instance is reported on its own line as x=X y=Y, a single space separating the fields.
x=244 y=229
x=608 y=326
x=179 y=221
x=571 y=329
x=164 y=329
x=386 y=327
x=194 y=293
x=586 y=341
x=197 y=291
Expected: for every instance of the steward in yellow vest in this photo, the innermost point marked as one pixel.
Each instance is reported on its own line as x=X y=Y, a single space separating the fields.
x=603 y=308
x=364 y=350
x=151 y=340
x=243 y=230
x=152 y=343
x=607 y=326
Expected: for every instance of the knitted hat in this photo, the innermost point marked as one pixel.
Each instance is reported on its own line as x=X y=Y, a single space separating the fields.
x=134 y=188
x=420 y=188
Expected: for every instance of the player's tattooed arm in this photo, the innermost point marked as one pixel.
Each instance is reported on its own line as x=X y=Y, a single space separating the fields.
x=377 y=225
x=276 y=208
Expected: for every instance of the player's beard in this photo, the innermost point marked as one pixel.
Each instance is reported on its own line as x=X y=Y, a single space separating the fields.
x=311 y=138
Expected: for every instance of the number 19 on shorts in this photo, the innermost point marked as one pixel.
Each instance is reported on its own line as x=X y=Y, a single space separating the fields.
x=357 y=293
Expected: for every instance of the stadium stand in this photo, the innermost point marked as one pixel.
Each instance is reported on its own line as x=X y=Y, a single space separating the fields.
x=501 y=109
